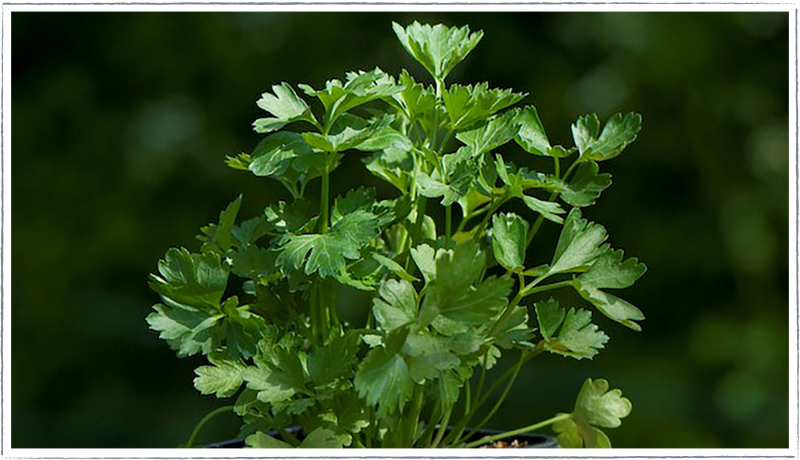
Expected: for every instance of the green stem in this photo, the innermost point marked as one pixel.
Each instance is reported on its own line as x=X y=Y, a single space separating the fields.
x=458 y=430
x=205 y=420
x=314 y=311
x=553 y=195
x=288 y=437
x=323 y=204
x=442 y=427
x=427 y=436
x=502 y=320
x=503 y=396
x=547 y=287
x=555 y=159
x=494 y=207
x=416 y=409
x=496 y=384
x=416 y=235
x=508 y=434
x=448 y=224
x=468 y=402
x=370 y=431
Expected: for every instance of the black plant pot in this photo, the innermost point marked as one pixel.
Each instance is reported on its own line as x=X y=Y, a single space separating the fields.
x=532 y=440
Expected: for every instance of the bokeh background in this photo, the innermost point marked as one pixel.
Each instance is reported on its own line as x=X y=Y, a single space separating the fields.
x=121 y=121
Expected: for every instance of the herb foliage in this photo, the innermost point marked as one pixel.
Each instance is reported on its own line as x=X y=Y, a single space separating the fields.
x=448 y=301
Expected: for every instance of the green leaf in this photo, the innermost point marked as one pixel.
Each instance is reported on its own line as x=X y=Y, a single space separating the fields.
x=425 y=258
x=327 y=253
x=452 y=293
x=397 y=304
x=580 y=243
x=273 y=383
x=384 y=379
x=249 y=231
x=392 y=165
x=359 y=88
x=321 y=438
x=494 y=133
x=261 y=440
x=594 y=407
x=567 y=434
x=549 y=315
x=550 y=210
x=360 y=199
x=515 y=330
x=598 y=406
x=384 y=138
x=278 y=152
x=420 y=106
x=194 y=280
x=438 y=48
x=243 y=329
x=618 y=132
x=609 y=271
x=427 y=355
x=285 y=106
x=452 y=189
x=586 y=186
x=573 y=435
x=219 y=237
x=394 y=267
x=188 y=331
x=333 y=360
x=612 y=306
x=532 y=136
x=223 y=378
x=578 y=337
x=253 y=262
x=509 y=233
x=347 y=132
x=449 y=387
x=293 y=217
x=470 y=104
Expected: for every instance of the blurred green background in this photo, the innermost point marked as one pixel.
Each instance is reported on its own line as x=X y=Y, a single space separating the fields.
x=121 y=121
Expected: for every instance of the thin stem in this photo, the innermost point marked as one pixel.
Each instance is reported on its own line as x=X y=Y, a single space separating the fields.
x=496 y=384
x=323 y=204
x=427 y=436
x=288 y=437
x=533 y=290
x=502 y=398
x=205 y=420
x=314 y=310
x=553 y=195
x=448 y=224
x=494 y=207
x=458 y=430
x=468 y=401
x=555 y=159
x=536 y=226
x=416 y=409
x=482 y=378
x=508 y=434
x=442 y=427
x=416 y=235
x=510 y=308
x=373 y=421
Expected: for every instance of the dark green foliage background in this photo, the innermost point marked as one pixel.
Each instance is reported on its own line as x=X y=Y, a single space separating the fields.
x=121 y=122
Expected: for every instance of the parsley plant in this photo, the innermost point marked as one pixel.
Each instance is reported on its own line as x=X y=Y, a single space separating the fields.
x=448 y=300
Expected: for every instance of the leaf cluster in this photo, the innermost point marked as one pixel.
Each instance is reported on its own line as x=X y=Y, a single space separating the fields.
x=448 y=300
